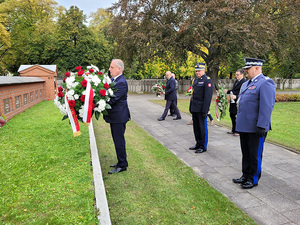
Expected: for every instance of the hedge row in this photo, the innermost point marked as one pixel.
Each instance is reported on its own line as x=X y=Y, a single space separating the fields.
x=287 y=98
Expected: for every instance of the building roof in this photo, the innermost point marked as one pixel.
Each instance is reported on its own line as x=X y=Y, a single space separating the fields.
x=48 y=67
x=19 y=80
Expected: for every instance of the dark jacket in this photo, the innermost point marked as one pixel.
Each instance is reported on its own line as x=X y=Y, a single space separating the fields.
x=119 y=112
x=170 y=93
x=202 y=94
x=236 y=91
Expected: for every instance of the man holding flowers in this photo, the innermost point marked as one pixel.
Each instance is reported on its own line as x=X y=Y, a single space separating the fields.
x=118 y=115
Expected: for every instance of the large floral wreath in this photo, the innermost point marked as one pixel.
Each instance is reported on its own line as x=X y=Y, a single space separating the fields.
x=84 y=93
x=159 y=88
x=221 y=104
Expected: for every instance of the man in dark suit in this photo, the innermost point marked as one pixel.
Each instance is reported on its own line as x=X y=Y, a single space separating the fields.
x=118 y=115
x=171 y=97
x=253 y=121
x=199 y=107
x=234 y=94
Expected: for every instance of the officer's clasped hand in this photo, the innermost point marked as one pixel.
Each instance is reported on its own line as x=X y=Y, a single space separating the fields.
x=261 y=132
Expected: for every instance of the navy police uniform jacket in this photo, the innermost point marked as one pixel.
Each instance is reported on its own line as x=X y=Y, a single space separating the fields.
x=119 y=112
x=255 y=105
x=202 y=94
x=170 y=93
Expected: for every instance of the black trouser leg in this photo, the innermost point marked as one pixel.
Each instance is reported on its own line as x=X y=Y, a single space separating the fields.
x=117 y=132
x=233 y=121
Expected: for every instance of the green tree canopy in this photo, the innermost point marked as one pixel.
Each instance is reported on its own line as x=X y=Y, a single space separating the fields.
x=221 y=26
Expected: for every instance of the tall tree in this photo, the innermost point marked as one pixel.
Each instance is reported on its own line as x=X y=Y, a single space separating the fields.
x=221 y=26
x=286 y=53
x=29 y=24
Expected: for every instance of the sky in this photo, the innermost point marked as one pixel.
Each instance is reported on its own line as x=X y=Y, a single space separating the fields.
x=87 y=6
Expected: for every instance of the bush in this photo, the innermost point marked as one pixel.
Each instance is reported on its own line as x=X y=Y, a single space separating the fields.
x=287 y=97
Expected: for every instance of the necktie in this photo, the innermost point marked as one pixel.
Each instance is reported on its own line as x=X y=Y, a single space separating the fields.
x=249 y=82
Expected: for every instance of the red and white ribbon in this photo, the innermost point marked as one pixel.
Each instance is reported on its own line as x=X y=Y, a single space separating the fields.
x=73 y=118
x=88 y=104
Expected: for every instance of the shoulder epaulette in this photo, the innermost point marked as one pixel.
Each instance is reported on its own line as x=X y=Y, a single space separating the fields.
x=208 y=77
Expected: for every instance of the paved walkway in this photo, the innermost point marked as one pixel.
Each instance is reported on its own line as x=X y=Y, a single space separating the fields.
x=276 y=200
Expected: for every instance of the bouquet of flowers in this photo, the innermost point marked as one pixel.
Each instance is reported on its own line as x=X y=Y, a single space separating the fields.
x=82 y=94
x=3 y=120
x=189 y=91
x=221 y=104
x=159 y=88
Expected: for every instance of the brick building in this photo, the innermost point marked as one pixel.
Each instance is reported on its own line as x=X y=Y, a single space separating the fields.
x=35 y=84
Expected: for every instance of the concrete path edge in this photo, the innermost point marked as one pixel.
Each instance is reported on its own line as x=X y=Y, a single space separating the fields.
x=100 y=194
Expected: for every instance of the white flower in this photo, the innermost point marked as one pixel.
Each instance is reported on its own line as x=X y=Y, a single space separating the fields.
x=75 y=84
x=84 y=92
x=110 y=91
x=69 y=81
x=93 y=67
x=76 y=96
x=96 y=80
x=106 y=79
x=70 y=94
x=81 y=111
x=63 y=109
x=101 y=106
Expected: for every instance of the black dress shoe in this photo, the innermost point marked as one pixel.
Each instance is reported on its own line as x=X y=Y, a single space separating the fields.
x=240 y=180
x=177 y=118
x=114 y=165
x=194 y=147
x=248 y=185
x=117 y=170
x=160 y=119
x=200 y=150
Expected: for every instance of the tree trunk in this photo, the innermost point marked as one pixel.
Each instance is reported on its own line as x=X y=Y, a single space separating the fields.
x=212 y=72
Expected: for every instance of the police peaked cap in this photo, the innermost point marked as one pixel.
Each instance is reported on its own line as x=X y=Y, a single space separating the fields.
x=200 y=66
x=249 y=62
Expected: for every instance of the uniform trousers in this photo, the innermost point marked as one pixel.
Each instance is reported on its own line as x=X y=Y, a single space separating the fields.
x=174 y=106
x=200 y=129
x=117 y=133
x=233 y=121
x=252 y=148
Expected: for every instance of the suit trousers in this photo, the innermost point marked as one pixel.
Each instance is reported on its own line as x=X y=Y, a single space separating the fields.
x=200 y=130
x=117 y=132
x=252 y=148
x=172 y=110
x=174 y=106
x=233 y=121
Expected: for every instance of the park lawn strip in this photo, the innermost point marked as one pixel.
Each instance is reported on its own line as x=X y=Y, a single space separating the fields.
x=158 y=188
x=46 y=176
x=285 y=121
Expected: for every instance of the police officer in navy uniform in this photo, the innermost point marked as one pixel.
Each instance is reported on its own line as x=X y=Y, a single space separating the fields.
x=199 y=107
x=255 y=106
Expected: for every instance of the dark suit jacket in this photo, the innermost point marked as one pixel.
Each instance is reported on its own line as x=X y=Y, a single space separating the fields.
x=119 y=112
x=236 y=91
x=170 y=93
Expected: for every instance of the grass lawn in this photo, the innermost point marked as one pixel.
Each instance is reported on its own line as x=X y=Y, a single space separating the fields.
x=46 y=176
x=158 y=188
x=285 y=121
